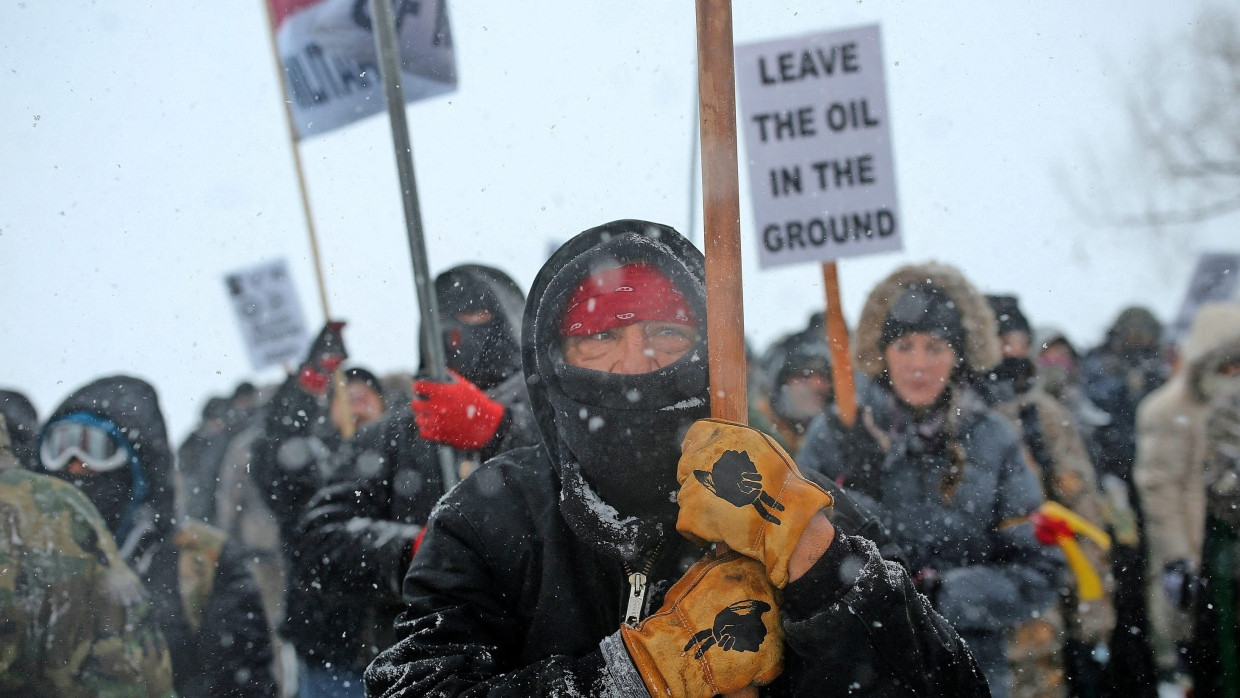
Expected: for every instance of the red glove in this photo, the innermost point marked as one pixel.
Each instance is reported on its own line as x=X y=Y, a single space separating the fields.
x=325 y=356
x=457 y=413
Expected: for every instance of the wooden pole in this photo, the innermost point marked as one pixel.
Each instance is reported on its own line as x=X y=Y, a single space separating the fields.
x=843 y=385
x=721 y=221
x=721 y=217
x=338 y=382
x=301 y=176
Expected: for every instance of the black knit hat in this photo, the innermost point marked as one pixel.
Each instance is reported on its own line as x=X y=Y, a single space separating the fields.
x=924 y=308
x=357 y=374
x=1008 y=315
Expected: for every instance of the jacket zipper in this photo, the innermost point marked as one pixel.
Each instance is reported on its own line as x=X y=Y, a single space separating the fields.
x=637 y=598
x=638 y=586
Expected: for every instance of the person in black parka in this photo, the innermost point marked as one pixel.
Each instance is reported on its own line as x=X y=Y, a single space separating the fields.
x=359 y=531
x=529 y=568
x=108 y=438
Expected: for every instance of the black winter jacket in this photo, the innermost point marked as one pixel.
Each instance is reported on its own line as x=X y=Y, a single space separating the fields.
x=356 y=537
x=504 y=600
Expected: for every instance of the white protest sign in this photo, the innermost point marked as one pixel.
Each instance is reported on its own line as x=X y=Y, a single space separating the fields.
x=1216 y=278
x=268 y=313
x=331 y=70
x=816 y=131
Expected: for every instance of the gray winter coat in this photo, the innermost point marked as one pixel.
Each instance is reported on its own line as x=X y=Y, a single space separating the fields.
x=962 y=526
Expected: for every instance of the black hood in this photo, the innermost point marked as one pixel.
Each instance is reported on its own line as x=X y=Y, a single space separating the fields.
x=23 y=424
x=132 y=405
x=621 y=433
x=488 y=353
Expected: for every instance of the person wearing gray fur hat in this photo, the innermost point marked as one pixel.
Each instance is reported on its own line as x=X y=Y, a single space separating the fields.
x=946 y=474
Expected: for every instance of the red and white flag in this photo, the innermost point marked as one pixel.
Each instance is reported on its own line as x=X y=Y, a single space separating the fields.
x=331 y=71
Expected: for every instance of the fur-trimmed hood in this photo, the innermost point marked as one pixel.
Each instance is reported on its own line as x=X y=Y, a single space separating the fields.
x=981 y=352
x=1213 y=341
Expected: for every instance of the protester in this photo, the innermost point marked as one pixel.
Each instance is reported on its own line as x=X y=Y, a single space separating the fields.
x=360 y=530
x=198 y=461
x=364 y=402
x=1216 y=640
x=23 y=428
x=944 y=473
x=291 y=458
x=75 y=619
x=1057 y=653
x=108 y=438
x=1059 y=375
x=1168 y=475
x=243 y=512
x=799 y=383
x=1115 y=377
x=542 y=573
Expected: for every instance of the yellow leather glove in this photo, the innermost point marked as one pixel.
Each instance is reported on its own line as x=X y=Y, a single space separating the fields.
x=737 y=486
x=717 y=632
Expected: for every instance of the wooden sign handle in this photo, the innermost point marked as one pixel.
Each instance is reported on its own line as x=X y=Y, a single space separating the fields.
x=721 y=221
x=721 y=217
x=843 y=385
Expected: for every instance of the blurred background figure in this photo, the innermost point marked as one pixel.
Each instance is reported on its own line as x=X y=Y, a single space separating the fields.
x=23 y=429
x=1117 y=375
x=1169 y=474
x=108 y=438
x=75 y=619
x=1063 y=651
x=797 y=386
x=364 y=403
x=1216 y=640
x=201 y=455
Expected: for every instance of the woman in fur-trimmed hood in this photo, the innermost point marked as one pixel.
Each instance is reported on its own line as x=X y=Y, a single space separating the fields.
x=945 y=473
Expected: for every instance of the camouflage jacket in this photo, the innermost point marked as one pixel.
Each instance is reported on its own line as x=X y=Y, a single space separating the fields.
x=74 y=620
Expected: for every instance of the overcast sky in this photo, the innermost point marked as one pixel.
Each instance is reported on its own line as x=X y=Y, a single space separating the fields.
x=144 y=153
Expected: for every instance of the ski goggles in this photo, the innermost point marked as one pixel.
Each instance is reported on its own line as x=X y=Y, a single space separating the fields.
x=94 y=443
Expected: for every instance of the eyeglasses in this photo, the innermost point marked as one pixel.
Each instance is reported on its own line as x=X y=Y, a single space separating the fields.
x=94 y=445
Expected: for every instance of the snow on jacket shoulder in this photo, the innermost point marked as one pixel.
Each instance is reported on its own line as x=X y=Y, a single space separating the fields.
x=504 y=599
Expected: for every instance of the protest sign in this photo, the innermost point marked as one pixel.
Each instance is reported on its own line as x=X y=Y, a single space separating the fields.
x=268 y=313
x=817 y=136
x=327 y=52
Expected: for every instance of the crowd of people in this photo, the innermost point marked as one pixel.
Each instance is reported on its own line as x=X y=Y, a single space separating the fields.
x=1005 y=513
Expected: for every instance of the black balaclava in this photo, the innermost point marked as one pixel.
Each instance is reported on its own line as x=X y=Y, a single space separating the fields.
x=485 y=354
x=615 y=439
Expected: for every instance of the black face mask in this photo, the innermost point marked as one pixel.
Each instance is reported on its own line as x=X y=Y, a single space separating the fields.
x=486 y=353
x=111 y=493
x=1017 y=370
x=625 y=430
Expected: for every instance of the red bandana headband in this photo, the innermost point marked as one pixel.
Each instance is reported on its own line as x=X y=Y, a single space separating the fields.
x=624 y=296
